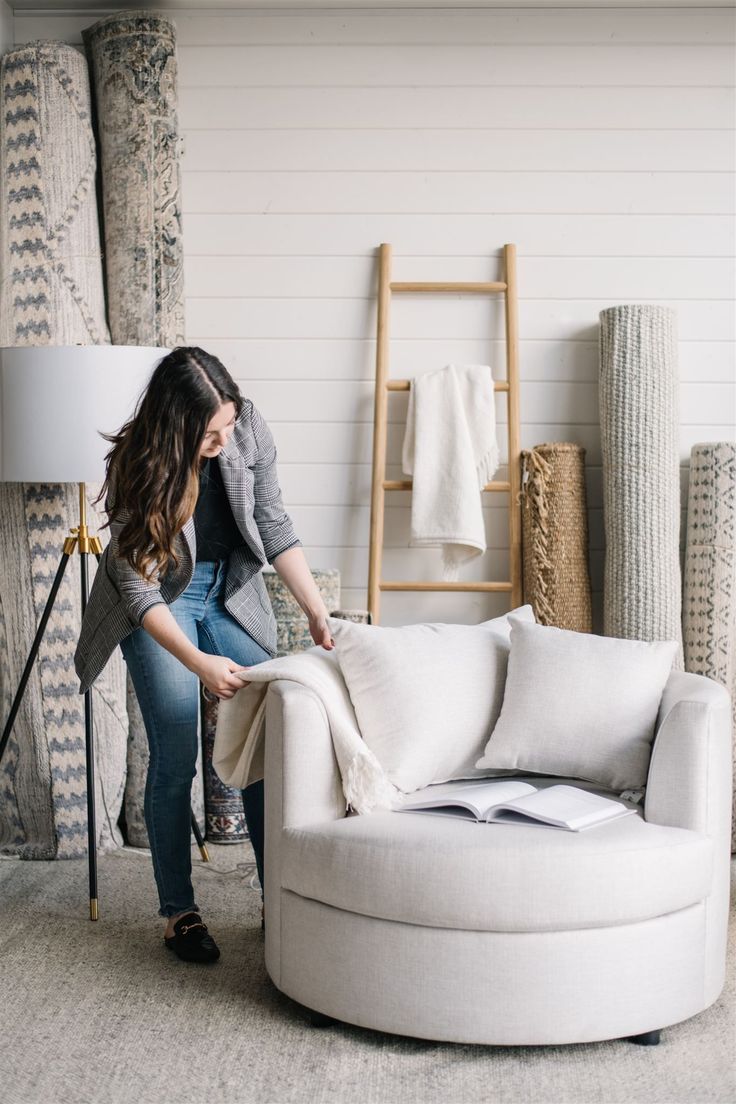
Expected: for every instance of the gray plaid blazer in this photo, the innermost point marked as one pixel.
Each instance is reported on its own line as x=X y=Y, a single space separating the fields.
x=120 y=596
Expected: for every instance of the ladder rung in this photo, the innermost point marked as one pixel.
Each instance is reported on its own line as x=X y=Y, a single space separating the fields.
x=406 y=485
x=496 y=587
x=405 y=384
x=483 y=288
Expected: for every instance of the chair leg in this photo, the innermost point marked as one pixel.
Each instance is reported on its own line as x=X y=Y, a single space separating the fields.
x=648 y=1038
x=313 y=1018
x=318 y=1019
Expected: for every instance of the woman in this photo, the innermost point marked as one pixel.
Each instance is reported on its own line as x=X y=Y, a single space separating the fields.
x=195 y=512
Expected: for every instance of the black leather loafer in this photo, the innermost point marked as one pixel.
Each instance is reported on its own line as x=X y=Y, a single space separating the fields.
x=191 y=941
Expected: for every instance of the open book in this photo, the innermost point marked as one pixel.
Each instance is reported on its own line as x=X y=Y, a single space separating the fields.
x=508 y=801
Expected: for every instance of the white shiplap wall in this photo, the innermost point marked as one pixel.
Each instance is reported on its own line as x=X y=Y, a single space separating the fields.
x=601 y=142
x=6 y=26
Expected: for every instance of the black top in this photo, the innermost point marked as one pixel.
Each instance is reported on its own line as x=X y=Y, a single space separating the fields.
x=214 y=525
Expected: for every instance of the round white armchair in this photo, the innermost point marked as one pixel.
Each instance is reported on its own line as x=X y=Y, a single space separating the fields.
x=447 y=930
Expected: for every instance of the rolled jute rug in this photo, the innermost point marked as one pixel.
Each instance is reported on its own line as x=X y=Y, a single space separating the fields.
x=555 y=535
x=132 y=59
x=638 y=395
x=709 y=592
x=51 y=293
x=224 y=816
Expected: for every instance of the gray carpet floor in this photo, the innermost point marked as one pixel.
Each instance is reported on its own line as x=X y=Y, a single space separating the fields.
x=103 y=1014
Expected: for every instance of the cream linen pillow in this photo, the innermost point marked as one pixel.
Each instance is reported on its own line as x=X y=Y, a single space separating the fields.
x=579 y=706
x=426 y=697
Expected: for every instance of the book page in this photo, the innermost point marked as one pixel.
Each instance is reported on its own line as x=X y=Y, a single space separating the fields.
x=478 y=797
x=567 y=805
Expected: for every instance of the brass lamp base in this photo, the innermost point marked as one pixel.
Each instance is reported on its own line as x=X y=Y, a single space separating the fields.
x=80 y=535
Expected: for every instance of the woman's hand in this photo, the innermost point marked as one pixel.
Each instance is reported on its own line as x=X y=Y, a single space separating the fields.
x=215 y=672
x=320 y=630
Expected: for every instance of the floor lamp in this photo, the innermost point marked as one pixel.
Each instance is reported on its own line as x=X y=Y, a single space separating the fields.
x=54 y=400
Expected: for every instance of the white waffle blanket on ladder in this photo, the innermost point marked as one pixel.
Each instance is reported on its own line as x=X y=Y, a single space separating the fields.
x=451 y=450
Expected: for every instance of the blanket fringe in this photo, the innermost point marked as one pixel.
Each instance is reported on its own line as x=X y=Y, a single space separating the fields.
x=365 y=786
x=488 y=465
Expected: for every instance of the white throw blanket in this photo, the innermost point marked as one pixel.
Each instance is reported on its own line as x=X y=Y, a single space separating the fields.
x=238 y=751
x=451 y=450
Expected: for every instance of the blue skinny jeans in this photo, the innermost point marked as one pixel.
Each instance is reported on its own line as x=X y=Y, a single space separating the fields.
x=168 y=695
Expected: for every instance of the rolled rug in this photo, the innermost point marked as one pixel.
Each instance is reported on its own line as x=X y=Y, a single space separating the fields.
x=357 y=616
x=132 y=59
x=293 y=627
x=51 y=293
x=224 y=812
x=555 y=535
x=638 y=395
x=709 y=592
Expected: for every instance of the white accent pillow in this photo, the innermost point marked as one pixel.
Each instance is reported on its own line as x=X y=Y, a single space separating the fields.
x=579 y=706
x=426 y=697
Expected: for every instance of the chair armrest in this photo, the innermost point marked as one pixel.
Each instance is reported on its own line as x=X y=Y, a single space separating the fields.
x=689 y=783
x=302 y=778
x=303 y=786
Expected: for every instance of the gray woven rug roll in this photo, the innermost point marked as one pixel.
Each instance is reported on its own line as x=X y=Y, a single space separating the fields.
x=134 y=77
x=51 y=294
x=638 y=393
x=709 y=593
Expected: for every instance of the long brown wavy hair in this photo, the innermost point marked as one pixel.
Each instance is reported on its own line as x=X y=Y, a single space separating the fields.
x=152 y=470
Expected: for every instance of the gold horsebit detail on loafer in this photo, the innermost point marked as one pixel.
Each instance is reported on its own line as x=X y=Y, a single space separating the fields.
x=188 y=927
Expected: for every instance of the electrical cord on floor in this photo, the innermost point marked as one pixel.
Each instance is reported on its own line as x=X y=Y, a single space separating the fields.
x=244 y=870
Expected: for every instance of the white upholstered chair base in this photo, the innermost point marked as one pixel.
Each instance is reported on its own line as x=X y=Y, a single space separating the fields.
x=447 y=930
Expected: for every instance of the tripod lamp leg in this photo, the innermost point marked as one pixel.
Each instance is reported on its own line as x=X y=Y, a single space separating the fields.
x=90 y=762
x=200 y=840
x=33 y=652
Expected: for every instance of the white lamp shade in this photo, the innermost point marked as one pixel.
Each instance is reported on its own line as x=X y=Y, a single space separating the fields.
x=55 y=400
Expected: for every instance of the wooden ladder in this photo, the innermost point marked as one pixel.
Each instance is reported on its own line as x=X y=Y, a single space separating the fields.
x=387 y=288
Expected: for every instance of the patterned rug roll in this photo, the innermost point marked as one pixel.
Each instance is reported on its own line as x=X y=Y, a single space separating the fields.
x=357 y=616
x=51 y=293
x=132 y=61
x=641 y=476
x=293 y=627
x=555 y=535
x=134 y=76
x=709 y=595
x=224 y=813
x=225 y=818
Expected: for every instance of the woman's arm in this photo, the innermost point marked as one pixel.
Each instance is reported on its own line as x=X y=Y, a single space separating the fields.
x=293 y=568
x=213 y=671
